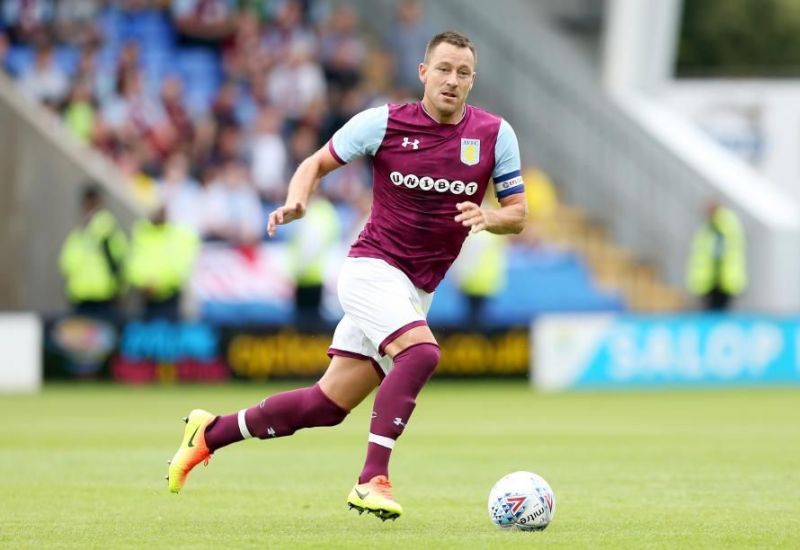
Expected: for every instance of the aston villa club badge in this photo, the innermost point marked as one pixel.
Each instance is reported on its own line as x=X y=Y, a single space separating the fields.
x=470 y=151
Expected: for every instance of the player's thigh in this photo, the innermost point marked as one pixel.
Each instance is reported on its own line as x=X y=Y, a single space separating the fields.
x=382 y=302
x=347 y=381
x=417 y=335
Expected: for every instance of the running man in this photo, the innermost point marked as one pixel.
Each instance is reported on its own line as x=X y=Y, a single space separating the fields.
x=432 y=163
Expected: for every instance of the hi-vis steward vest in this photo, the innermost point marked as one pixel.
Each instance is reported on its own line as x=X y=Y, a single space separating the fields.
x=86 y=265
x=161 y=258
x=717 y=259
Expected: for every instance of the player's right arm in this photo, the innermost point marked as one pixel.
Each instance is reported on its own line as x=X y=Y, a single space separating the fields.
x=361 y=135
x=302 y=185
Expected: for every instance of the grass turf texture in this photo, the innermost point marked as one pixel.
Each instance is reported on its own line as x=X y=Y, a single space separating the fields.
x=83 y=466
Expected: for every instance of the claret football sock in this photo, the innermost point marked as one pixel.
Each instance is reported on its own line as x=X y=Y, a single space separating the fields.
x=395 y=402
x=276 y=416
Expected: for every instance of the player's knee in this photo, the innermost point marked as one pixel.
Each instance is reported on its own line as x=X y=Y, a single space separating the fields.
x=319 y=410
x=429 y=354
x=425 y=356
x=418 y=362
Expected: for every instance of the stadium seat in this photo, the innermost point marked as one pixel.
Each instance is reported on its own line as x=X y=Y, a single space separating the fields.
x=538 y=281
x=201 y=73
x=19 y=58
x=66 y=58
x=150 y=28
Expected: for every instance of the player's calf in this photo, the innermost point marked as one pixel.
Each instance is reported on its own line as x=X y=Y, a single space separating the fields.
x=279 y=415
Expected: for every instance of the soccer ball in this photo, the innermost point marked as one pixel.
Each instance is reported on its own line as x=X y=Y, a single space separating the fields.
x=522 y=500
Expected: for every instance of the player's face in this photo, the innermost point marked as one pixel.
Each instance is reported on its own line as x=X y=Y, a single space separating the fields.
x=448 y=76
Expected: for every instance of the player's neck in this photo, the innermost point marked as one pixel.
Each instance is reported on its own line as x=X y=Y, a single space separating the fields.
x=431 y=111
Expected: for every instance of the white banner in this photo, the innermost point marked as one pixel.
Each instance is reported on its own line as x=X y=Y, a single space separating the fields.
x=21 y=347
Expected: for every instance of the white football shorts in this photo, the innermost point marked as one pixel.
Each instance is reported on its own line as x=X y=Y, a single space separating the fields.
x=380 y=302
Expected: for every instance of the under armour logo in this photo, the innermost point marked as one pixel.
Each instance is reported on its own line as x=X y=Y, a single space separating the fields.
x=414 y=144
x=399 y=422
x=270 y=432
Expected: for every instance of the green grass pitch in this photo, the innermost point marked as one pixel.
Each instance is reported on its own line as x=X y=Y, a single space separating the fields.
x=83 y=466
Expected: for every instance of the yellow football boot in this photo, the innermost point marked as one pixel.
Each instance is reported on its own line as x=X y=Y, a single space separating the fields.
x=193 y=449
x=375 y=497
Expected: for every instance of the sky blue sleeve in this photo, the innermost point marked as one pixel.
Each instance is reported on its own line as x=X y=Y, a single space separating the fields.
x=507 y=173
x=361 y=135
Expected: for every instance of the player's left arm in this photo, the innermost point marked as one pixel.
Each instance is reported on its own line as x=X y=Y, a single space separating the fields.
x=509 y=189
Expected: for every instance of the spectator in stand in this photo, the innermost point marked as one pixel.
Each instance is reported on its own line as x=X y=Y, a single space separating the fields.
x=342 y=50
x=175 y=109
x=204 y=22
x=75 y=21
x=79 y=113
x=181 y=194
x=287 y=29
x=102 y=83
x=297 y=84
x=228 y=146
x=131 y=113
x=245 y=55
x=304 y=140
x=92 y=259
x=129 y=59
x=27 y=21
x=4 y=46
x=341 y=109
x=160 y=263
x=45 y=82
x=269 y=156
x=232 y=211
x=223 y=109
x=133 y=6
x=716 y=270
x=407 y=42
x=201 y=148
x=131 y=161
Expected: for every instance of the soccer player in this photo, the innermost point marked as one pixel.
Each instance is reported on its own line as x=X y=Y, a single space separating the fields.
x=432 y=163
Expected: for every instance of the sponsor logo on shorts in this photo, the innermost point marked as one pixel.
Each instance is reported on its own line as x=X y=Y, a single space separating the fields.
x=427 y=183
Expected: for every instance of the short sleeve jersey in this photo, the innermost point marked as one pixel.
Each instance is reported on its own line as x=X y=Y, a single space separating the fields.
x=421 y=170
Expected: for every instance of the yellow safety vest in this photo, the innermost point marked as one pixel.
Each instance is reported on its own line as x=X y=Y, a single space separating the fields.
x=161 y=257
x=84 y=263
x=316 y=234
x=717 y=258
x=485 y=275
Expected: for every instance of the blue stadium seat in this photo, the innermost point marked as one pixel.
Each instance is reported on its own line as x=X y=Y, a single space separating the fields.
x=156 y=64
x=449 y=306
x=548 y=281
x=150 y=28
x=18 y=59
x=538 y=281
x=110 y=23
x=66 y=58
x=201 y=72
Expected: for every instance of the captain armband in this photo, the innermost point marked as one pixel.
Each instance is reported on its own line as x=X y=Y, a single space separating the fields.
x=509 y=184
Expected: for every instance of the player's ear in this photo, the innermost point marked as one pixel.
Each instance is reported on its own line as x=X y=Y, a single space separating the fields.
x=472 y=82
x=423 y=71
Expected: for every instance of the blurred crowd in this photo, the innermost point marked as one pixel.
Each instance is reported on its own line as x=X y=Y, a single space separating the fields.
x=208 y=106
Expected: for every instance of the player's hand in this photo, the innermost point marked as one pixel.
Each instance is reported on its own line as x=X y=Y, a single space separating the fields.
x=283 y=215
x=472 y=216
